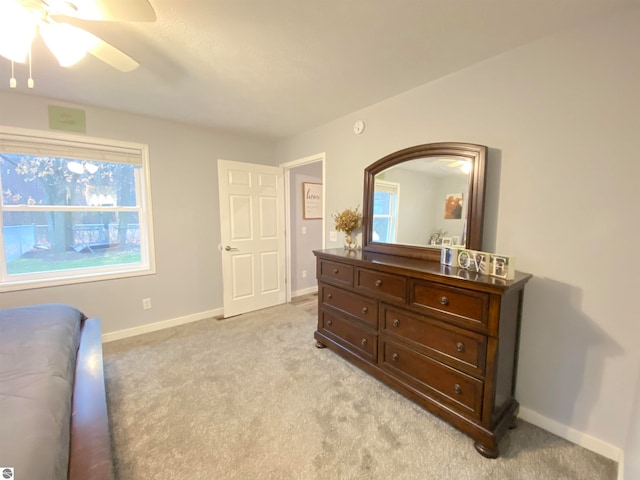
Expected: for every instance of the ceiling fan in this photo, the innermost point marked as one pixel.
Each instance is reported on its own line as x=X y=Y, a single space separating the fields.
x=21 y=19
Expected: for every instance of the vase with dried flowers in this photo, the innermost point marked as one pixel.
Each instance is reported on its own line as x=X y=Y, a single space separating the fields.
x=347 y=221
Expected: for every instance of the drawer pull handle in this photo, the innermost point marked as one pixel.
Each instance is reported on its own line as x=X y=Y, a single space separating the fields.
x=396 y=322
x=457 y=388
x=330 y=296
x=363 y=341
x=335 y=271
x=365 y=310
x=460 y=347
x=378 y=283
x=444 y=301
x=394 y=357
x=329 y=322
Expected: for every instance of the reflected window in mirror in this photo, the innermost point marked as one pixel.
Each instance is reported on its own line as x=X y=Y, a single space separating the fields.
x=385 y=211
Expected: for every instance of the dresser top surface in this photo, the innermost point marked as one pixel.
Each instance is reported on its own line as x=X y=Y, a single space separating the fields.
x=413 y=266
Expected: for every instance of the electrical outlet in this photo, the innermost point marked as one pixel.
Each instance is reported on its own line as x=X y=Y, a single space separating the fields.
x=333 y=236
x=146 y=303
x=304 y=274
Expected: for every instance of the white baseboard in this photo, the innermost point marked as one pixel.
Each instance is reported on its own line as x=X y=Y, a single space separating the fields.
x=304 y=291
x=152 y=327
x=574 y=436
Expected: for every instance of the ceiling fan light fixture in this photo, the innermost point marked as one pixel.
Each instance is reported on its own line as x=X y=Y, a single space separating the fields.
x=17 y=29
x=68 y=44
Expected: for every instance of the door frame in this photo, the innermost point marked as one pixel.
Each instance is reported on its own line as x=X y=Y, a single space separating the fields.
x=287 y=166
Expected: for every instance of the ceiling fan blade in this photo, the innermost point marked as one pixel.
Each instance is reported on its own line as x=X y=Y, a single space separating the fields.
x=103 y=10
x=113 y=56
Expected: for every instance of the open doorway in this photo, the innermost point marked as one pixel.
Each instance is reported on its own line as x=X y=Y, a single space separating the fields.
x=304 y=183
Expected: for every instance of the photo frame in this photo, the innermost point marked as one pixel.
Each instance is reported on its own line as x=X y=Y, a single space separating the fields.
x=446 y=241
x=453 y=206
x=475 y=261
x=311 y=200
x=502 y=266
x=449 y=256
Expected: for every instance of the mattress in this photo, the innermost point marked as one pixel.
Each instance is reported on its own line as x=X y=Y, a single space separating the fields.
x=38 y=348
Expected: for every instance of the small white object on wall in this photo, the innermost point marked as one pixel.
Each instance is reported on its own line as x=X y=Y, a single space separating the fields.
x=359 y=127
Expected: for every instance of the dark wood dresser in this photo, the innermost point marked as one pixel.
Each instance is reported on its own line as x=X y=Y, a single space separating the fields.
x=444 y=337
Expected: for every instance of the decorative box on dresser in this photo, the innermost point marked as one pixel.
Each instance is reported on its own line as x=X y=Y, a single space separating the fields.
x=444 y=337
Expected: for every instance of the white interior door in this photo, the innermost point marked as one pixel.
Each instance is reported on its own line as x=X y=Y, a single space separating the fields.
x=252 y=233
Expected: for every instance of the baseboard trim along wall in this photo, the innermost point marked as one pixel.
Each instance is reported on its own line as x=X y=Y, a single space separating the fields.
x=571 y=434
x=304 y=291
x=152 y=327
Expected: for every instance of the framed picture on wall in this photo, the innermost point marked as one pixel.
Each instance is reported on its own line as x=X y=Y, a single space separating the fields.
x=453 y=206
x=311 y=200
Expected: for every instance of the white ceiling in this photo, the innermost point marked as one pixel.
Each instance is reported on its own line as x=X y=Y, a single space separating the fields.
x=279 y=67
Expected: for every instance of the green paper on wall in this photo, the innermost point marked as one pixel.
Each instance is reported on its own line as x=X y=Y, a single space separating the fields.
x=69 y=119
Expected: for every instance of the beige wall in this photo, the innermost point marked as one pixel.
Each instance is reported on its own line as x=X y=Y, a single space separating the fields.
x=184 y=188
x=561 y=119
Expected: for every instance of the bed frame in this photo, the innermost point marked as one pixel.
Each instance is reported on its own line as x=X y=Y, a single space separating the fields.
x=90 y=454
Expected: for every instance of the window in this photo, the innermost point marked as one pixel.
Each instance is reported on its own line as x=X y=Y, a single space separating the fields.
x=385 y=211
x=73 y=209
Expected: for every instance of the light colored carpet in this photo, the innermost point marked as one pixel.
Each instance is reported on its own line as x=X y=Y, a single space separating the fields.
x=251 y=398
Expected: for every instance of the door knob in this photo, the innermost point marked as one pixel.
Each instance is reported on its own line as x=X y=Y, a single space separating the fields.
x=230 y=249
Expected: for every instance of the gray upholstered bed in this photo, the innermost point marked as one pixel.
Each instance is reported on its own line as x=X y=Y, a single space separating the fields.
x=47 y=355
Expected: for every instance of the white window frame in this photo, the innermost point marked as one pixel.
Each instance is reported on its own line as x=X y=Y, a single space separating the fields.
x=394 y=189
x=36 y=142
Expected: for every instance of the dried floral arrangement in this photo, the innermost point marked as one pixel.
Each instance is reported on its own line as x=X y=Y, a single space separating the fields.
x=348 y=220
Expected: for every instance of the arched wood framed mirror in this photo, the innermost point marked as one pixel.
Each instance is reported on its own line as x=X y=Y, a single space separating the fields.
x=419 y=198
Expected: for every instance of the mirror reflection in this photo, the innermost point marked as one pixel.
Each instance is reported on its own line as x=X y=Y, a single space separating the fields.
x=422 y=202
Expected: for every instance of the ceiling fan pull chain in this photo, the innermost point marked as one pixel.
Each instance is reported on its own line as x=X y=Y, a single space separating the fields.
x=30 y=80
x=12 y=80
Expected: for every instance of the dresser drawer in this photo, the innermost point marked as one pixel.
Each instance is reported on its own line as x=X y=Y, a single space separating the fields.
x=452 y=345
x=466 y=306
x=385 y=285
x=349 y=334
x=335 y=272
x=434 y=378
x=361 y=307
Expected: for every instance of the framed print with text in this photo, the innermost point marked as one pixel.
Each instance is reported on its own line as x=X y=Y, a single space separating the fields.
x=311 y=200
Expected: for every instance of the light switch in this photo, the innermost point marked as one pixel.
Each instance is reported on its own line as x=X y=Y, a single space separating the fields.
x=333 y=236
x=304 y=230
